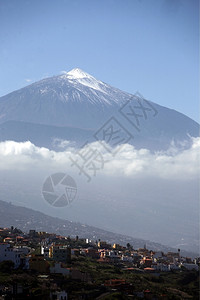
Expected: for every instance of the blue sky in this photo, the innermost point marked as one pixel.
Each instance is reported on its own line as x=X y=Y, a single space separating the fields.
x=150 y=46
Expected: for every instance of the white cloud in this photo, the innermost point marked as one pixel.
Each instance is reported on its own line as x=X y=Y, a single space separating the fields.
x=62 y=144
x=128 y=161
x=28 y=80
x=154 y=194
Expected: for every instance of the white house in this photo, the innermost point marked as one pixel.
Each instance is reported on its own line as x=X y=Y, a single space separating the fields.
x=174 y=267
x=59 y=295
x=161 y=267
x=113 y=254
x=45 y=251
x=9 y=253
x=127 y=258
x=23 y=249
x=58 y=269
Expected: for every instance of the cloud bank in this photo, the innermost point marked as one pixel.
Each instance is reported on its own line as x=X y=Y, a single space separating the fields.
x=127 y=161
x=154 y=195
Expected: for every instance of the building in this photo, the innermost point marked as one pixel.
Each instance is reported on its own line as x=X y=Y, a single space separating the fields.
x=190 y=266
x=91 y=252
x=60 y=253
x=161 y=267
x=33 y=233
x=174 y=267
x=57 y=268
x=114 y=282
x=16 y=255
x=75 y=252
x=39 y=264
x=127 y=258
x=117 y=247
x=104 y=245
x=158 y=255
x=173 y=257
x=59 y=295
x=146 y=262
x=45 y=251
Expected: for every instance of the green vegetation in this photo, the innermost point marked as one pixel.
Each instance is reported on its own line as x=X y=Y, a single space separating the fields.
x=171 y=285
x=176 y=285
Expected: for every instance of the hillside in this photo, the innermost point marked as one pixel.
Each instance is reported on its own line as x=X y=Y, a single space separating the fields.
x=26 y=219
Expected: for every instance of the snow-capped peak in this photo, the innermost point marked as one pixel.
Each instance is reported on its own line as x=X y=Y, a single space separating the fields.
x=77 y=85
x=78 y=76
x=78 y=73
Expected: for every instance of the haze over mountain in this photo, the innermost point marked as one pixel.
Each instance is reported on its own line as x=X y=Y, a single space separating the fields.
x=148 y=189
x=82 y=104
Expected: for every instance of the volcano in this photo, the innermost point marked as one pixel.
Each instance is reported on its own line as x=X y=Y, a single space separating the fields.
x=75 y=105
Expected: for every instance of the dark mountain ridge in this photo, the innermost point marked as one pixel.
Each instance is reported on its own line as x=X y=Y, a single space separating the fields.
x=26 y=219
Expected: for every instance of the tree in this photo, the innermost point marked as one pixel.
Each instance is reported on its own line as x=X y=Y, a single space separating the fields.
x=6 y=266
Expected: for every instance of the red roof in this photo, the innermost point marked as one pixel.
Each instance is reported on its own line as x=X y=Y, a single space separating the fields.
x=147 y=291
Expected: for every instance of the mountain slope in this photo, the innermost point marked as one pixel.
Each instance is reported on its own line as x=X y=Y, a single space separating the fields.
x=26 y=219
x=43 y=135
x=78 y=101
x=74 y=99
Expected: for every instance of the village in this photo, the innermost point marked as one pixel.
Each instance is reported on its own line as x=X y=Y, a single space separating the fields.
x=45 y=265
